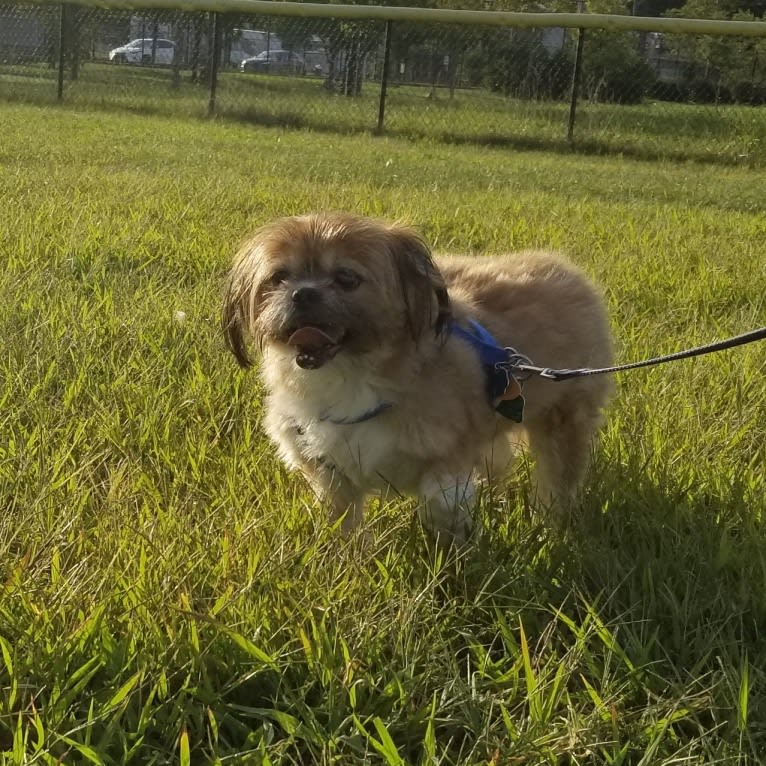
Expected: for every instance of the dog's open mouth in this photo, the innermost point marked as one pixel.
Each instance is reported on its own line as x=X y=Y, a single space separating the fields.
x=316 y=345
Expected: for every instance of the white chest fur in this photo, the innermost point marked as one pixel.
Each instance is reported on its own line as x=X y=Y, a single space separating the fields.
x=340 y=414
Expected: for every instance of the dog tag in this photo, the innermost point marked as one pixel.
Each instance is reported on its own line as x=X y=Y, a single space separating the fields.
x=513 y=409
x=513 y=389
x=511 y=404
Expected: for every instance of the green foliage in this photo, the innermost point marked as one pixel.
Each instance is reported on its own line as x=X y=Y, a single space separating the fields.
x=516 y=63
x=169 y=595
x=614 y=69
x=721 y=69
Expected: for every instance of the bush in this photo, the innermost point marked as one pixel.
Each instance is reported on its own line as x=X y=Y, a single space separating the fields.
x=518 y=64
x=750 y=93
x=613 y=69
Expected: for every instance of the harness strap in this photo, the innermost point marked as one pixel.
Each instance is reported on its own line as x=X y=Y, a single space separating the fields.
x=503 y=387
x=493 y=357
x=369 y=415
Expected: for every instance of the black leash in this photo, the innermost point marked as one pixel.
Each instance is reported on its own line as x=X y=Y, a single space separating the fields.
x=517 y=363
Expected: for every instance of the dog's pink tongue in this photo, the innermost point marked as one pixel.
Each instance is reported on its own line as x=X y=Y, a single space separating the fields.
x=315 y=347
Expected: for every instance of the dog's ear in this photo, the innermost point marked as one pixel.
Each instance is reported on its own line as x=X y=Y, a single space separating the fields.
x=239 y=308
x=421 y=282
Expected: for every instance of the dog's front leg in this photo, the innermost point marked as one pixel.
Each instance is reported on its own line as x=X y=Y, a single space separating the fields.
x=337 y=493
x=445 y=507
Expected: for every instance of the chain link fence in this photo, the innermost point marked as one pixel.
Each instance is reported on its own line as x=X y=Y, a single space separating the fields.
x=643 y=93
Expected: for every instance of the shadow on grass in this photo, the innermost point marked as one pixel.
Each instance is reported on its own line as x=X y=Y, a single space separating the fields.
x=675 y=574
x=677 y=570
x=642 y=543
x=681 y=557
x=584 y=147
x=192 y=101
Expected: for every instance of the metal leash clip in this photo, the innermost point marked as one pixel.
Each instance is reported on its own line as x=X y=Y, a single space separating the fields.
x=518 y=363
x=510 y=403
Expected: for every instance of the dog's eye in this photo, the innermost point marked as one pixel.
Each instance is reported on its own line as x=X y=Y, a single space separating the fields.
x=278 y=277
x=347 y=279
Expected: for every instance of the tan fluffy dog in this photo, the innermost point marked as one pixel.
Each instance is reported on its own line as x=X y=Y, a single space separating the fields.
x=373 y=381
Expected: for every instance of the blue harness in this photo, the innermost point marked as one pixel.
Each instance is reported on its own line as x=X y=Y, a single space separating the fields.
x=496 y=361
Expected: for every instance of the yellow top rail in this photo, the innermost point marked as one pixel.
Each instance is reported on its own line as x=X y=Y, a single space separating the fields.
x=608 y=22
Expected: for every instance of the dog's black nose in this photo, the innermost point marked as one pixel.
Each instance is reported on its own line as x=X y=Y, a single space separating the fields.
x=304 y=296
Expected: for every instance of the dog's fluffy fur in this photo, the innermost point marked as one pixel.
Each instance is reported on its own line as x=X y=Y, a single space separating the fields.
x=369 y=390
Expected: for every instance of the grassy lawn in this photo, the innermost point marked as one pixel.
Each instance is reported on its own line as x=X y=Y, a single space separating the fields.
x=734 y=135
x=168 y=594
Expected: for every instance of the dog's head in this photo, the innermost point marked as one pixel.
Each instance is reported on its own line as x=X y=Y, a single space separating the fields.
x=333 y=283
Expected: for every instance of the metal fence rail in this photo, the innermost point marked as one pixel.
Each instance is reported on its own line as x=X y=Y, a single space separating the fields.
x=653 y=87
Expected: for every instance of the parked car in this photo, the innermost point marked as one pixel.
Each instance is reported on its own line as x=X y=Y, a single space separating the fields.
x=140 y=52
x=274 y=62
x=248 y=43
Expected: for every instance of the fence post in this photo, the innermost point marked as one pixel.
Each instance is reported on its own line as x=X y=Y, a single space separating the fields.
x=384 y=76
x=215 y=55
x=62 y=52
x=576 y=75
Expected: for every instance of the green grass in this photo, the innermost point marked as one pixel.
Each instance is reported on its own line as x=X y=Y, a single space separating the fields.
x=733 y=135
x=168 y=594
